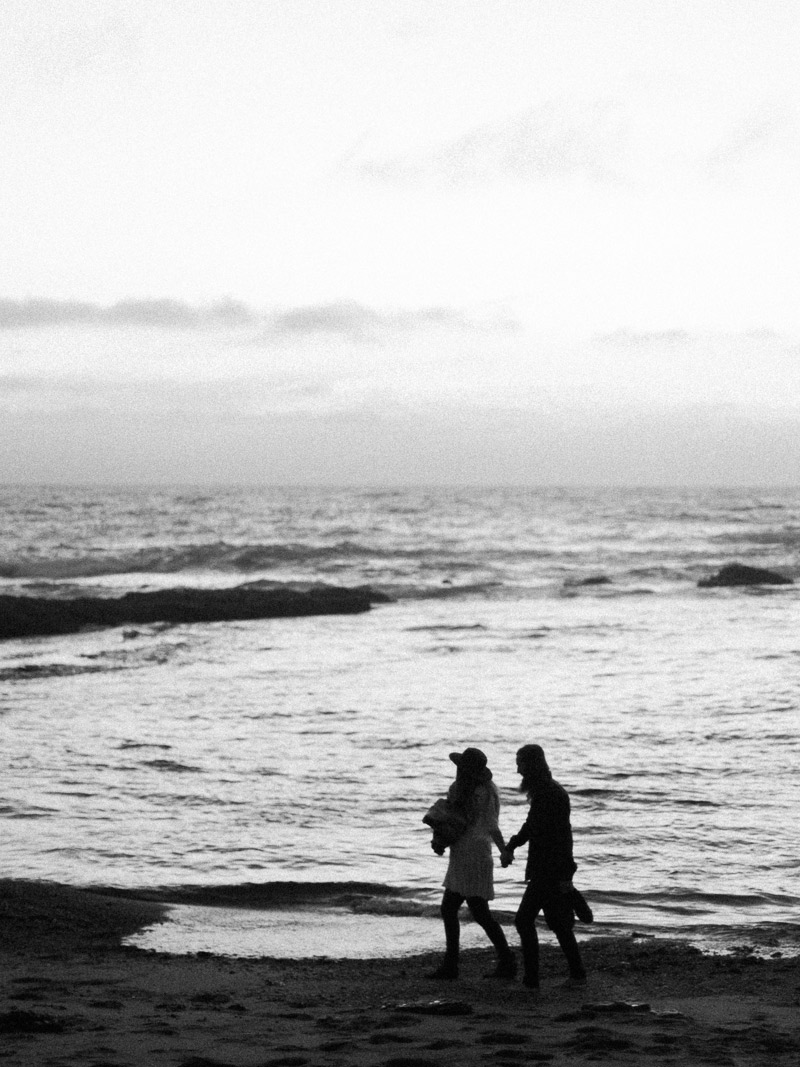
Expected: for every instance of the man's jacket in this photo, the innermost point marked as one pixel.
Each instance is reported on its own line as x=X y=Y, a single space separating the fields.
x=548 y=832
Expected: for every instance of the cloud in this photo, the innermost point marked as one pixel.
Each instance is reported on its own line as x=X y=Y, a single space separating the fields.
x=25 y=391
x=346 y=319
x=352 y=321
x=758 y=133
x=36 y=313
x=760 y=153
x=33 y=396
x=550 y=141
x=15 y=314
x=644 y=339
x=14 y=384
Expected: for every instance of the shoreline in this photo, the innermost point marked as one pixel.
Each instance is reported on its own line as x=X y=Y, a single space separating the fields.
x=344 y=920
x=71 y=992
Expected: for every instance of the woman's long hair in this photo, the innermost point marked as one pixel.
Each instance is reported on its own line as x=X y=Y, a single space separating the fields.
x=463 y=789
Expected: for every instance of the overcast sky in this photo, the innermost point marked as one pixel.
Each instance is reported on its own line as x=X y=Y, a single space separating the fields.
x=400 y=241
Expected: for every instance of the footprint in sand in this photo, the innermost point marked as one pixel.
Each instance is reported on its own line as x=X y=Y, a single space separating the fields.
x=502 y=1037
x=597 y=1039
x=387 y=1038
x=30 y=1022
x=411 y=1061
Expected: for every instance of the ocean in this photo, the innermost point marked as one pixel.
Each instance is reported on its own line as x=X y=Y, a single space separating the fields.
x=273 y=774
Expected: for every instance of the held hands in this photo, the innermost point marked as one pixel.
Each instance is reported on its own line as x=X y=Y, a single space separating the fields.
x=506 y=857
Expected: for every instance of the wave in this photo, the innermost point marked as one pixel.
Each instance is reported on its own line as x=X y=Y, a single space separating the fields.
x=267 y=895
x=30 y=811
x=217 y=556
x=725 y=922
x=679 y=898
x=172 y=766
x=378 y=898
x=433 y=572
x=131 y=657
x=786 y=536
x=240 y=558
x=252 y=558
x=447 y=590
x=35 y=671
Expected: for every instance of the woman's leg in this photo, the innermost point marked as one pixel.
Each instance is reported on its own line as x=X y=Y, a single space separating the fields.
x=506 y=963
x=479 y=907
x=451 y=902
x=525 y=922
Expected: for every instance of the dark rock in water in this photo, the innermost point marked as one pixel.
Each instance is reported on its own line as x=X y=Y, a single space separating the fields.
x=22 y=616
x=598 y=579
x=375 y=597
x=740 y=574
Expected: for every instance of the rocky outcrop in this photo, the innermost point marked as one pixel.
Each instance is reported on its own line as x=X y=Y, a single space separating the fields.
x=740 y=574
x=22 y=616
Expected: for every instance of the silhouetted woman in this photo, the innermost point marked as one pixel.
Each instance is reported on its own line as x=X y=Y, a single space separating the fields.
x=469 y=873
x=549 y=869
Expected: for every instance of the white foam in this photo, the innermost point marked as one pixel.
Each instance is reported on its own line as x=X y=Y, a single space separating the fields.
x=334 y=933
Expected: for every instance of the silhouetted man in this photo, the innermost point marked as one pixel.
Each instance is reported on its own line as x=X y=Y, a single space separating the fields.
x=549 y=869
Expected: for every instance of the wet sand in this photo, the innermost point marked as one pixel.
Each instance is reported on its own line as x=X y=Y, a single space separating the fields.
x=70 y=993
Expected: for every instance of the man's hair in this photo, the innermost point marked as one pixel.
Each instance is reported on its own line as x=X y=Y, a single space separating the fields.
x=534 y=767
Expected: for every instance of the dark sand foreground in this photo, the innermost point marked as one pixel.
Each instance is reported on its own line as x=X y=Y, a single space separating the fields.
x=71 y=995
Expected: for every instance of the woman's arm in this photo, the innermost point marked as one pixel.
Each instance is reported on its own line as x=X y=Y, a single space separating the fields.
x=498 y=838
x=506 y=855
x=490 y=811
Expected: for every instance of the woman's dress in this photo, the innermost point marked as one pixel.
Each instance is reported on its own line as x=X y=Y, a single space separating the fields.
x=469 y=871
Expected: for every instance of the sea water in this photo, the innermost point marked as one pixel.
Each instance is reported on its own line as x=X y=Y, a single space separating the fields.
x=291 y=760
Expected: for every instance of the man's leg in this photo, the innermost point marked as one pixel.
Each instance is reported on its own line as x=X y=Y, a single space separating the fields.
x=560 y=917
x=569 y=946
x=525 y=922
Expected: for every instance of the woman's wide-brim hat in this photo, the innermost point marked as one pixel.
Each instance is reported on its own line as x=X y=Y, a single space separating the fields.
x=473 y=762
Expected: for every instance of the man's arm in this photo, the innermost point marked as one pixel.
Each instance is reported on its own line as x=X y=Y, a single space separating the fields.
x=522 y=836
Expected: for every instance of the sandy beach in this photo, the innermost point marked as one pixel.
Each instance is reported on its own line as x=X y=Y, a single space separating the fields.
x=73 y=994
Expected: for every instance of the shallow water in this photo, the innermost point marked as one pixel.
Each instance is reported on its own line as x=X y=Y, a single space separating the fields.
x=306 y=934
x=343 y=934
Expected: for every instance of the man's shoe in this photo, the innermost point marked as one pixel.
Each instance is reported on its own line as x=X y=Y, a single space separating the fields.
x=446 y=971
x=574 y=982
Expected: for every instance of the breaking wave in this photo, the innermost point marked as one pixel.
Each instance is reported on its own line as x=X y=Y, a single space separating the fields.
x=219 y=556
x=379 y=899
x=284 y=894
x=246 y=558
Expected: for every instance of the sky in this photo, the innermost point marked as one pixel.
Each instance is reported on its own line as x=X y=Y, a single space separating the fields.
x=391 y=241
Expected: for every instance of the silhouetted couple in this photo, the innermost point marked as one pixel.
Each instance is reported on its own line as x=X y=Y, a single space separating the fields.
x=468 y=822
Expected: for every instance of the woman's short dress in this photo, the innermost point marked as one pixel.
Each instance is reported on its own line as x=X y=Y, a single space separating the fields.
x=469 y=872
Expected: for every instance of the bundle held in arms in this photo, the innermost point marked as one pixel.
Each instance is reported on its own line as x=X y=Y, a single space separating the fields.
x=448 y=822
